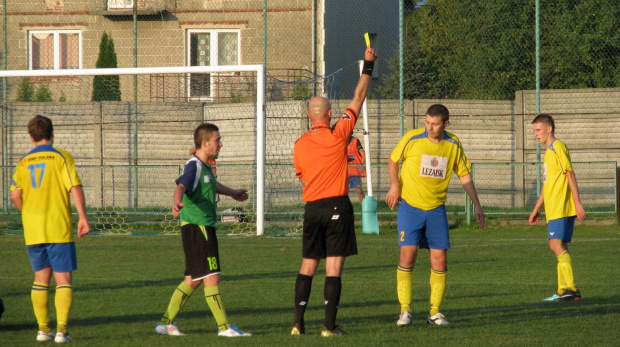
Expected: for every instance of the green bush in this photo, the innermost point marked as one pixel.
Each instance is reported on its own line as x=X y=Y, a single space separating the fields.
x=301 y=91
x=106 y=88
x=25 y=90
x=43 y=94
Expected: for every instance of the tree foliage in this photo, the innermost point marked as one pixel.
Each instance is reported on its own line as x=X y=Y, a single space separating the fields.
x=43 y=94
x=106 y=88
x=25 y=90
x=485 y=49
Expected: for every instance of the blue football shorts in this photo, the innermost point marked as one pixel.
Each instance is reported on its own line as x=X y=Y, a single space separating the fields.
x=423 y=228
x=561 y=228
x=60 y=256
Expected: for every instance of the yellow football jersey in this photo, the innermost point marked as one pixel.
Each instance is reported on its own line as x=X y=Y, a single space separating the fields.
x=427 y=167
x=559 y=201
x=45 y=176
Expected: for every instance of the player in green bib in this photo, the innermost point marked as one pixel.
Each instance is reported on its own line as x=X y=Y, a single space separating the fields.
x=195 y=202
x=560 y=195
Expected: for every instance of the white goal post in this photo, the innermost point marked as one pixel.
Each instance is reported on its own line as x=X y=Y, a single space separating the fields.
x=259 y=114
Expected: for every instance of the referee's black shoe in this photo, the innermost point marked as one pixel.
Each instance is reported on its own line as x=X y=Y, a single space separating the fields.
x=334 y=332
x=298 y=329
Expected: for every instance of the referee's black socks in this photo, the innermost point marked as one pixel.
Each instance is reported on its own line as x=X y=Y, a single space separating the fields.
x=333 y=288
x=303 y=285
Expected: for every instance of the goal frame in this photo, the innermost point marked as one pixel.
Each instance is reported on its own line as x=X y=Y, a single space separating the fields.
x=260 y=107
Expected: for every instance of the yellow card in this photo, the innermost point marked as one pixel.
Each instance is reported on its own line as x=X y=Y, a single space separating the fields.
x=367 y=38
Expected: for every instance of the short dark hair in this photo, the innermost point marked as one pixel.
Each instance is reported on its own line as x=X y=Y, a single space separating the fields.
x=40 y=128
x=438 y=110
x=203 y=133
x=546 y=119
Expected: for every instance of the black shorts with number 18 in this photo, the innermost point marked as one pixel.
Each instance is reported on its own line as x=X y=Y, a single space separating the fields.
x=201 y=253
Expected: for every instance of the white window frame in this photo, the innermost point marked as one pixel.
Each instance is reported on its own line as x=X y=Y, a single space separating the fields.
x=119 y=4
x=56 y=45
x=213 y=54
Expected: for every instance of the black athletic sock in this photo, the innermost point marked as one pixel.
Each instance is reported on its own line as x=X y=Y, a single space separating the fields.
x=333 y=288
x=303 y=285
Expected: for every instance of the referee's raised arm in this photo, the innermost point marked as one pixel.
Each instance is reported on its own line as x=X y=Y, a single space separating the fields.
x=362 y=86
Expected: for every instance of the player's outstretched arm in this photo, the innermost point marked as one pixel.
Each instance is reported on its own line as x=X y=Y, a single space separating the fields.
x=364 y=82
x=393 y=195
x=237 y=194
x=77 y=193
x=468 y=184
x=574 y=189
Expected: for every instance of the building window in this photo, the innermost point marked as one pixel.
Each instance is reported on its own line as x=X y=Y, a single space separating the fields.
x=116 y=4
x=55 y=50
x=210 y=48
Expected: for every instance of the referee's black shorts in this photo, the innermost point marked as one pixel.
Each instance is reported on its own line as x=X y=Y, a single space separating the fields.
x=329 y=228
x=202 y=257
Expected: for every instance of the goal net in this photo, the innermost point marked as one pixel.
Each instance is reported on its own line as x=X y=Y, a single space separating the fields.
x=130 y=131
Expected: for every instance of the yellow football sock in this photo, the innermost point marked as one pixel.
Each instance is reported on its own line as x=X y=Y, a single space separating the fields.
x=177 y=301
x=565 y=273
x=214 y=300
x=63 y=299
x=404 y=284
x=438 y=289
x=40 y=299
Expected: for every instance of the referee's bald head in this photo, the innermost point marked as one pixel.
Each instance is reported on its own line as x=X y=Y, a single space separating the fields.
x=318 y=108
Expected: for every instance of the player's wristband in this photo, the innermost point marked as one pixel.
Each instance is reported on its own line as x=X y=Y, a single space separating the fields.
x=367 y=67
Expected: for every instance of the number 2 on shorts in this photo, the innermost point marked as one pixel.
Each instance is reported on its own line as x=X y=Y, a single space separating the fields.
x=402 y=236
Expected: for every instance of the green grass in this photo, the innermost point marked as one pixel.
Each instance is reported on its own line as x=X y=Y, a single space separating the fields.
x=497 y=278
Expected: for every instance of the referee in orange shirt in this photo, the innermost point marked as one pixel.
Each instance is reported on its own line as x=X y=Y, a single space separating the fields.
x=320 y=158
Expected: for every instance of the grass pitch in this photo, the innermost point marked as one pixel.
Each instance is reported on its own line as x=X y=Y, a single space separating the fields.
x=496 y=280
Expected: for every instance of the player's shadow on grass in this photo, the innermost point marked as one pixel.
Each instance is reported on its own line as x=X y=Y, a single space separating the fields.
x=538 y=309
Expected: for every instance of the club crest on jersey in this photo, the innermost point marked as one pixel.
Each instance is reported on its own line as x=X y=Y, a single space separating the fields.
x=433 y=166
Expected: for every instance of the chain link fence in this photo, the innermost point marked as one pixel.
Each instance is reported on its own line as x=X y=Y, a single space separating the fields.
x=506 y=191
x=496 y=64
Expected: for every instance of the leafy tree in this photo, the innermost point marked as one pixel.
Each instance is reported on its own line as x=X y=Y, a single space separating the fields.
x=106 y=88
x=485 y=49
x=581 y=44
x=418 y=82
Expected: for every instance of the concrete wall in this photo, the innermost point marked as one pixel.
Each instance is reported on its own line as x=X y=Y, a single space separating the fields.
x=491 y=132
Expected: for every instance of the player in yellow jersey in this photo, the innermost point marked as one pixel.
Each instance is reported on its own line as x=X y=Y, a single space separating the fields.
x=560 y=195
x=40 y=189
x=429 y=156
